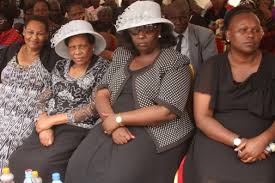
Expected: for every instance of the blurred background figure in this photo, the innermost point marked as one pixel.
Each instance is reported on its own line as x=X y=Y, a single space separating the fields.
x=75 y=11
x=8 y=34
x=56 y=14
x=196 y=42
x=42 y=8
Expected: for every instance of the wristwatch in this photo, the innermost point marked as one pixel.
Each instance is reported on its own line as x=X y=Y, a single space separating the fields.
x=118 y=120
x=237 y=141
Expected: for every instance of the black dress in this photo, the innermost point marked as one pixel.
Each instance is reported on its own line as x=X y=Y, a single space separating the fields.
x=99 y=160
x=246 y=108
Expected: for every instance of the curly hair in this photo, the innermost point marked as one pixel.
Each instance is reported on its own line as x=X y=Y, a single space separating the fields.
x=166 y=39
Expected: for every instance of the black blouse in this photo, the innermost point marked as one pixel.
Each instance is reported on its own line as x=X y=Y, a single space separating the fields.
x=258 y=90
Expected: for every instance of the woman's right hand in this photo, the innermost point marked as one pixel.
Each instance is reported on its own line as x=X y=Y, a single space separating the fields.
x=251 y=150
x=46 y=137
x=122 y=135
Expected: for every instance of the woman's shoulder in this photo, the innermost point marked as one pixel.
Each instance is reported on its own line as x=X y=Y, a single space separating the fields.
x=102 y=61
x=172 y=56
x=171 y=59
x=121 y=55
x=120 y=51
x=217 y=61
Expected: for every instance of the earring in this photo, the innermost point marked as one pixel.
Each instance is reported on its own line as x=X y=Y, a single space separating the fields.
x=227 y=40
x=159 y=36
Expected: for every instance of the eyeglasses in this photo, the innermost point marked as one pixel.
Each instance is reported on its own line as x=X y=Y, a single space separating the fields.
x=78 y=47
x=32 y=33
x=150 y=28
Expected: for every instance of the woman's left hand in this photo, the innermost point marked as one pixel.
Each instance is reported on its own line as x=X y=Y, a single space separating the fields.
x=43 y=123
x=110 y=124
x=252 y=150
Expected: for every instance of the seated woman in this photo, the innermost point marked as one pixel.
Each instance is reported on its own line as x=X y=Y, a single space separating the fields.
x=23 y=78
x=67 y=109
x=234 y=109
x=142 y=102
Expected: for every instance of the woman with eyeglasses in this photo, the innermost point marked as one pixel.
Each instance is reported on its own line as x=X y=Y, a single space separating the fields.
x=23 y=77
x=141 y=100
x=66 y=109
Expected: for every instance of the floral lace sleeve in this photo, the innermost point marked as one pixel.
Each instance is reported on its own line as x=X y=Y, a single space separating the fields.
x=43 y=99
x=82 y=113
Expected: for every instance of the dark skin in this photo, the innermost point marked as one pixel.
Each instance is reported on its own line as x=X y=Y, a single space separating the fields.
x=245 y=34
x=148 y=47
x=179 y=15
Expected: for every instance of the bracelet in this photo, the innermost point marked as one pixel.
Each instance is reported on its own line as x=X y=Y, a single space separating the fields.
x=270 y=148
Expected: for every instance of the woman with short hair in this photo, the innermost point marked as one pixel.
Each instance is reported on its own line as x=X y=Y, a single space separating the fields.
x=234 y=109
x=23 y=77
x=66 y=110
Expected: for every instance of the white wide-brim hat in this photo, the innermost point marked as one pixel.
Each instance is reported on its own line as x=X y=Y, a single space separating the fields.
x=141 y=13
x=72 y=28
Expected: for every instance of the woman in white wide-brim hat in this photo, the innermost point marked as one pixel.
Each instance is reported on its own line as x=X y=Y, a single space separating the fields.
x=66 y=109
x=141 y=100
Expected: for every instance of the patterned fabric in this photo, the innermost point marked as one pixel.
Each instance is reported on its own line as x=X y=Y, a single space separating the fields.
x=73 y=96
x=166 y=82
x=20 y=89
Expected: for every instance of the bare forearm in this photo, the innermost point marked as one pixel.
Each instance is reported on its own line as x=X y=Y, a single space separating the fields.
x=103 y=106
x=147 y=116
x=269 y=134
x=207 y=123
x=58 y=119
x=215 y=131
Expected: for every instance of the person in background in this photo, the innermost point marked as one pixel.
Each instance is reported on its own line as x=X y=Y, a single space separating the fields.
x=8 y=34
x=216 y=12
x=56 y=14
x=234 y=109
x=106 y=28
x=75 y=11
x=105 y=19
x=264 y=12
x=42 y=8
x=146 y=77
x=196 y=42
x=66 y=109
x=23 y=77
x=91 y=9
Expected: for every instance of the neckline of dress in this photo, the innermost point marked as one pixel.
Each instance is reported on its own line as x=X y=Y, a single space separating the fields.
x=24 y=67
x=234 y=82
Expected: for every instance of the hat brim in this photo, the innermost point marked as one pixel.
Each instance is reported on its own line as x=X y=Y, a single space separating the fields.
x=62 y=50
x=146 y=22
